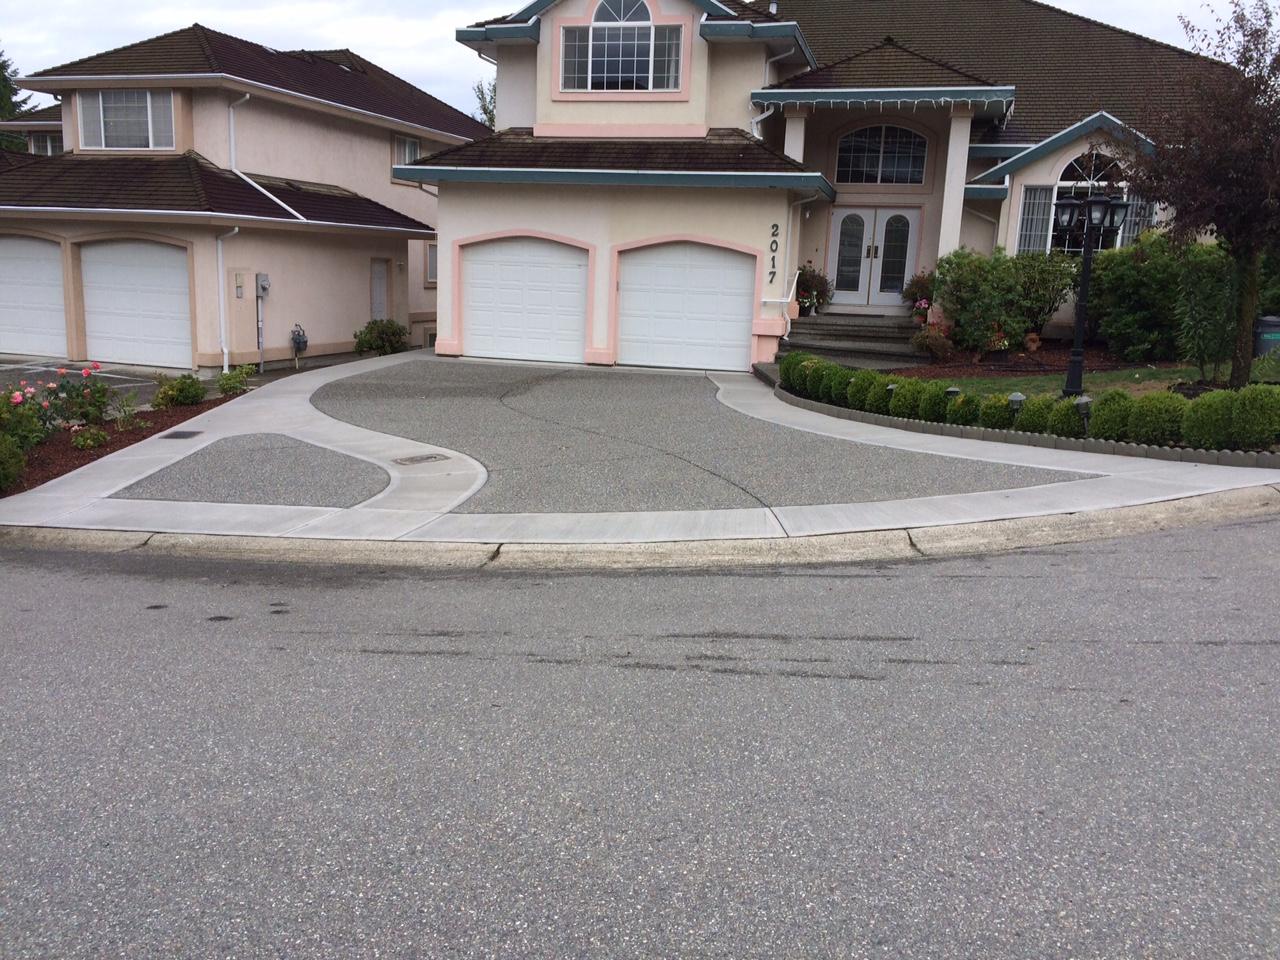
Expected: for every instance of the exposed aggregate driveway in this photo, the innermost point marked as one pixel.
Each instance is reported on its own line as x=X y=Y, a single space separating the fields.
x=573 y=440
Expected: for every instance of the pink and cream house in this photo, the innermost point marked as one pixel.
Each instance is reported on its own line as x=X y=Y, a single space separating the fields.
x=661 y=168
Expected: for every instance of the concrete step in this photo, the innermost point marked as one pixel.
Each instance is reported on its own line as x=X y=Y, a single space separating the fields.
x=883 y=348
x=862 y=359
x=844 y=332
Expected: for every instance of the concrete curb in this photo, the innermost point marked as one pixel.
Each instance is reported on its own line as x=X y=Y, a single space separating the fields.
x=872 y=547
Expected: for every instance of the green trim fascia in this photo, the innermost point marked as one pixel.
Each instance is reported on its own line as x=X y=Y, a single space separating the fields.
x=1101 y=121
x=973 y=191
x=748 y=30
x=842 y=95
x=499 y=31
x=537 y=6
x=982 y=151
x=614 y=178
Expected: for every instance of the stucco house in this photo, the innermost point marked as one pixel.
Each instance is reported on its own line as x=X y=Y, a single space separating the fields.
x=39 y=128
x=196 y=161
x=662 y=167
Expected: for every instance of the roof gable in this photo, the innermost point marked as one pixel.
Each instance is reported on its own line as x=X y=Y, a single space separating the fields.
x=538 y=7
x=886 y=64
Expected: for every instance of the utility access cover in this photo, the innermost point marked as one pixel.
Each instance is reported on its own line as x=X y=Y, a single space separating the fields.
x=421 y=458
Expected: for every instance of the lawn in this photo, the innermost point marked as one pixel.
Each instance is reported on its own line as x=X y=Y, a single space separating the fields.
x=1138 y=380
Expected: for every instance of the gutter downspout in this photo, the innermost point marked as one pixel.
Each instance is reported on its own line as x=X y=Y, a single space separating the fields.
x=791 y=218
x=772 y=108
x=222 y=300
x=231 y=129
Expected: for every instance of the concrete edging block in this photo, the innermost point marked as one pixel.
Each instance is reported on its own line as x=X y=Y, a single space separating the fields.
x=1269 y=460
x=1075 y=444
x=1237 y=458
x=1093 y=445
x=1165 y=453
x=1200 y=456
x=1042 y=440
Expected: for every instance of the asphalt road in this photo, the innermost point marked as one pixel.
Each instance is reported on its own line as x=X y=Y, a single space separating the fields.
x=1052 y=754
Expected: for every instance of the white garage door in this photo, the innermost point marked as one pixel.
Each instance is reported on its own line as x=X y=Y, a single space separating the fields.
x=137 y=306
x=686 y=305
x=32 y=320
x=524 y=299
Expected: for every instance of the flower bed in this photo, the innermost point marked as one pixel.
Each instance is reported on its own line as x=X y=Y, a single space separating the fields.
x=1214 y=428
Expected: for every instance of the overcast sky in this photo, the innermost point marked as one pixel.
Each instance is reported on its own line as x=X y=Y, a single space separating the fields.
x=411 y=38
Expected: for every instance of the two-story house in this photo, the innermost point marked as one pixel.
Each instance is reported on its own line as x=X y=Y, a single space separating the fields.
x=39 y=128
x=662 y=167
x=197 y=162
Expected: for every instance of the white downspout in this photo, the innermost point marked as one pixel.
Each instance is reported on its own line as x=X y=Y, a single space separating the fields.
x=756 y=121
x=231 y=129
x=222 y=300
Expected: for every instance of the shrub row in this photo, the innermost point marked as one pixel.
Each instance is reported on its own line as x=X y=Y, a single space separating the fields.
x=1219 y=420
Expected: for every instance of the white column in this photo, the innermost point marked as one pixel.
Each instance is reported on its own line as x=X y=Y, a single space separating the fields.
x=793 y=145
x=954 y=181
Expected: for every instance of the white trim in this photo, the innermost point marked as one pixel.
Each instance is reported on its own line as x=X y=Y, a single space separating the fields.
x=102 y=123
x=269 y=195
x=126 y=212
x=62 y=82
x=874 y=90
x=653 y=34
x=648 y=173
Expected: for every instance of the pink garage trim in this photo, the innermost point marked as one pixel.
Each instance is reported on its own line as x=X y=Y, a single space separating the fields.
x=764 y=349
x=616 y=252
x=655 y=131
x=456 y=344
x=769 y=327
x=557 y=24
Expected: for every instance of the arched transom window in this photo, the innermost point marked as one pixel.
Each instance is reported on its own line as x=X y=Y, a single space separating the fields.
x=1091 y=172
x=881 y=154
x=623 y=49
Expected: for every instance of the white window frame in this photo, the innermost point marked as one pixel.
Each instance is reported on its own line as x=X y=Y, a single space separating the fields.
x=591 y=28
x=396 y=140
x=430 y=280
x=880 y=181
x=1113 y=243
x=46 y=140
x=102 y=124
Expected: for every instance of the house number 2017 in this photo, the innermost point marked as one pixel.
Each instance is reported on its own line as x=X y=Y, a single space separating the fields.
x=773 y=252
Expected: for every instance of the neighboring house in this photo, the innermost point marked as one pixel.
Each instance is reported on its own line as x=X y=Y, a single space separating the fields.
x=197 y=161
x=662 y=167
x=41 y=128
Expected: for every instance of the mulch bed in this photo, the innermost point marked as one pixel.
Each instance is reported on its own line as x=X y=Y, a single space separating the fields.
x=1048 y=359
x=57 y=456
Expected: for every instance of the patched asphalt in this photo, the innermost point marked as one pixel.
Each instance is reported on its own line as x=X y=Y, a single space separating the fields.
x=263 y=468
x=577 y=440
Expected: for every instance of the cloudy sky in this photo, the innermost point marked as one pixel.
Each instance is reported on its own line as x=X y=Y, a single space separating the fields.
x=411 y=38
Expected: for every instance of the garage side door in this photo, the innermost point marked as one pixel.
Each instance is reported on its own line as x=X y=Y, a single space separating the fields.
x=32 y=319
x=137 y=306
x=524 y=299
x=686 y=305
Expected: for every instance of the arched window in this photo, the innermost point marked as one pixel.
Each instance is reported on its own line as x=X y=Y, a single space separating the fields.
x=623 y=49
x=881 y=154
x=1096 y=172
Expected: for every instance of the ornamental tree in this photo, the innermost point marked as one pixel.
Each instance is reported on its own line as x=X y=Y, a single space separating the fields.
x=1215 y=161
x=12 y=102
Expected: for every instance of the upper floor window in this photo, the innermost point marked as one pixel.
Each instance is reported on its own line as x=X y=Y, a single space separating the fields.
x=405 y=150
x=622 y=50
x=126 y=119
x=46 y=144
x=881 y=154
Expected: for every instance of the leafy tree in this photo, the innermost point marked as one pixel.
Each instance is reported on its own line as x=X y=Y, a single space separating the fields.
x=1216 y=161
x=11 y=102
x=1204 y=310
x=486 y=92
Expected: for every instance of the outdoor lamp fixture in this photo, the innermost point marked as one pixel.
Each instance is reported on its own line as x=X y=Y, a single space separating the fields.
x=952 y=393
x=1016 y=400
x=1084 y=405
x=1094 y=218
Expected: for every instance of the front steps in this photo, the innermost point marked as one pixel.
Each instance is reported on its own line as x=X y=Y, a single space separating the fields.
x=856 y=340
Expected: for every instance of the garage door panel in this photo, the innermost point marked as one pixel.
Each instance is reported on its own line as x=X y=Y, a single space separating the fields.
x=32 y=315
x=524 y=299
x=686 y=305
x=137 y=303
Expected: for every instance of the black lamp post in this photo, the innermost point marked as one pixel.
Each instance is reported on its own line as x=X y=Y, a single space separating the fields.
x=1093 y=217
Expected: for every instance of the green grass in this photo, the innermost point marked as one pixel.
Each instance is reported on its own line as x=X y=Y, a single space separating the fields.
x=1137 y=381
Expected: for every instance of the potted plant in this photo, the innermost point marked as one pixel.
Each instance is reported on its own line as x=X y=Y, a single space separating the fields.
x=997 y=346
x=919 y=293
x=813 y=289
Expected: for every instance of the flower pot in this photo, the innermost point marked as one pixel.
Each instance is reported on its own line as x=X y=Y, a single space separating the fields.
x=997 y=356
x=806 y=310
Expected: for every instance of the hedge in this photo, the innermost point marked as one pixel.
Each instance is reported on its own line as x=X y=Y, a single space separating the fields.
x=835 y=386
x=1156 y=419
x=1206 y=424
x=878 y=395
x=1255 y=422
x=1065 y=419
x=1034 y=415
x=906 y=399
x=996 y=413
x=963 y=411
x=1110 y=417
x=933 y=402
x=856 y=395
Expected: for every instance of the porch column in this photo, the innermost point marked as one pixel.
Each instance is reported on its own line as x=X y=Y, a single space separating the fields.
x=793 y=145
x=954 y=181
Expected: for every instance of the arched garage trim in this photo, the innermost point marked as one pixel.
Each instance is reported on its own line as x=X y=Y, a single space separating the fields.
x=453 y=344
x=69 y=287
x=763 y=329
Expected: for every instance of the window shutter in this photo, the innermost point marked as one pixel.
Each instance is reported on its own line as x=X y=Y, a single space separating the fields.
x=161 y=120
x=1036 y=221
x=90 y=119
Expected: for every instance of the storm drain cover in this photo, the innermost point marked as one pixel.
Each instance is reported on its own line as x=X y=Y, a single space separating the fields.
x=180 y=434
x=422 y=458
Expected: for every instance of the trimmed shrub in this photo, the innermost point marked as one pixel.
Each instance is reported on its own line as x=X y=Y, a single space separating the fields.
x=815 y=371
x=12 y=462
x=1157 y=419
x=1206 y=424
x=906 y=399
x=1065 y=420
x=979 y=297
x=878 y=395
x=1133 y=297
x=788 y=368
x=381 y=337
x=187 y=390
x=963 y=411
x=1255 y=422
x=835 y=385
x=1034 y=415
x=862 y=382
x=1110 y=417
x=235 y=382
x=1044 y=283
x=933 y=402
x=995 y=413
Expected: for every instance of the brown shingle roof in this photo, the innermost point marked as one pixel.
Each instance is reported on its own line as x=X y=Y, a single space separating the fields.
x=336 y=76
x=183 y=184
x=14 y=158
x=49 y=114
x=887 y=64
x=756 y=12
x=1065 y=67
x=727 y=150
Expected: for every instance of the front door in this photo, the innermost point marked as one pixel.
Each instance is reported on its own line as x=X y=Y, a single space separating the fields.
x=873 y=254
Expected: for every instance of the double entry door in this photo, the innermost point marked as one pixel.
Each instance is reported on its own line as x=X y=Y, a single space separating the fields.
x=873 y=254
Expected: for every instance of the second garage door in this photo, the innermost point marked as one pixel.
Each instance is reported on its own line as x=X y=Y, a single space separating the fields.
x=524 y=299
x=31 y=315
x=137 y=304
x=686 y=305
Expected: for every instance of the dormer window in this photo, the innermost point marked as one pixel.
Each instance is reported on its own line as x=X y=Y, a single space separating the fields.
x=622 y=50
x=126 y=119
